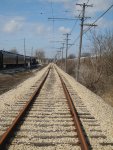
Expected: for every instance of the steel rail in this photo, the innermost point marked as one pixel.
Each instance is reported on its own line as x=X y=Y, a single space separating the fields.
x=82 y=139
x=7 y=134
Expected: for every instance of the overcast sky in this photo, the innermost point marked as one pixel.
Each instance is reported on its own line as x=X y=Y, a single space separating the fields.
x=28 y=19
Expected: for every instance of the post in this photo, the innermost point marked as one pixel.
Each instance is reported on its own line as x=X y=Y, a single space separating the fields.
x=62 y=57
x=62 y=53
x=31 y=51
x=80 y=46
x=81 y=35
x=67 y=39
x=24 y=53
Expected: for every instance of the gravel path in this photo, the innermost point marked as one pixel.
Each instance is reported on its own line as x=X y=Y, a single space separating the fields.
x=9 y=98
x=95 y=105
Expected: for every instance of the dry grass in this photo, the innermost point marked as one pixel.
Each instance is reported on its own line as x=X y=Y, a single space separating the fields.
x=95 y=77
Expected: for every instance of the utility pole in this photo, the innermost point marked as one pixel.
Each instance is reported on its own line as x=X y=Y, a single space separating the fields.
x=67 y=35
x=62 y=48
x=81 y=35
x=59 y=54
x=24 y=53
x=31 y=51
x=67 y=44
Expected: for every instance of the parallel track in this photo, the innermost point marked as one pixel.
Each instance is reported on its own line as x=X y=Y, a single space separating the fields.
x=50 y=116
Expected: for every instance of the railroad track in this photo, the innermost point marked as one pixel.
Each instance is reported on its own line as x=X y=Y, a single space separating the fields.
x=47 y=121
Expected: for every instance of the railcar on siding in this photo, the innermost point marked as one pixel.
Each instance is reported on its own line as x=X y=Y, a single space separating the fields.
x=27 y=60
x=21 y=60
x=1 y=59
x=8 y=59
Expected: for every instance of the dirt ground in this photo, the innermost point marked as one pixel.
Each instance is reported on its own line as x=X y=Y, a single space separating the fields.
x=10 y=80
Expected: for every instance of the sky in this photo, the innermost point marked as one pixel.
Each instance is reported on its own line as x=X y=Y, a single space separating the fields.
x=28 y=19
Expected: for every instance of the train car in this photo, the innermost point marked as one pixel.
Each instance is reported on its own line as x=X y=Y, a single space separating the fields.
x=34 y=62
x=1 y=59
x=21 y=60
x=8 y=59
x=27 y=60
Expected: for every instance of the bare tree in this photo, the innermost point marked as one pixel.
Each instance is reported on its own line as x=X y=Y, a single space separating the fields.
x=85 y=54
x=40 y=55
x=101 y=64
x=71 y=56
x=92 y=67
x=108 y=52
x=14 y=50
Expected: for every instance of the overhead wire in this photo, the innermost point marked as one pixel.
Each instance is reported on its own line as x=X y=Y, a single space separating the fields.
x=74 y=25
x=92 y=24
x=77 y=21
x=53 y=20
x=98 y=18
x=52 y=13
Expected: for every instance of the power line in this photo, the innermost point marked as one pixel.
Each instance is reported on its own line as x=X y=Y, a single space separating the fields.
x=87 y=2
x=99 y=18
x=52 y=13
x=53 y=20
x=74 y=25
x=92 y=24
x=63 y=19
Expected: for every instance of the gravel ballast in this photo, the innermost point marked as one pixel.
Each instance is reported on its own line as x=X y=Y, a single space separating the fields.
x=49 y=123
x=42 y=124
x=12 y=96
x=95 y=104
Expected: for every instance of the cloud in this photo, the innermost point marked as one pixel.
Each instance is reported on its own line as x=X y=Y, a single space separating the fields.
x=13 y=25
x=104 y=23
x=62 y=29
x=53 y=1
x=98 y=6
x=41 y=29
x=59 y=1
x=10 y=25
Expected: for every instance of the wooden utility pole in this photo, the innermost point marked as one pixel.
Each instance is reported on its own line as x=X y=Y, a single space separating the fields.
x=24 y=53
x=59 y=54
x=67 y=44
x=81 y=35
x=31 y=51
x=62 y=48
